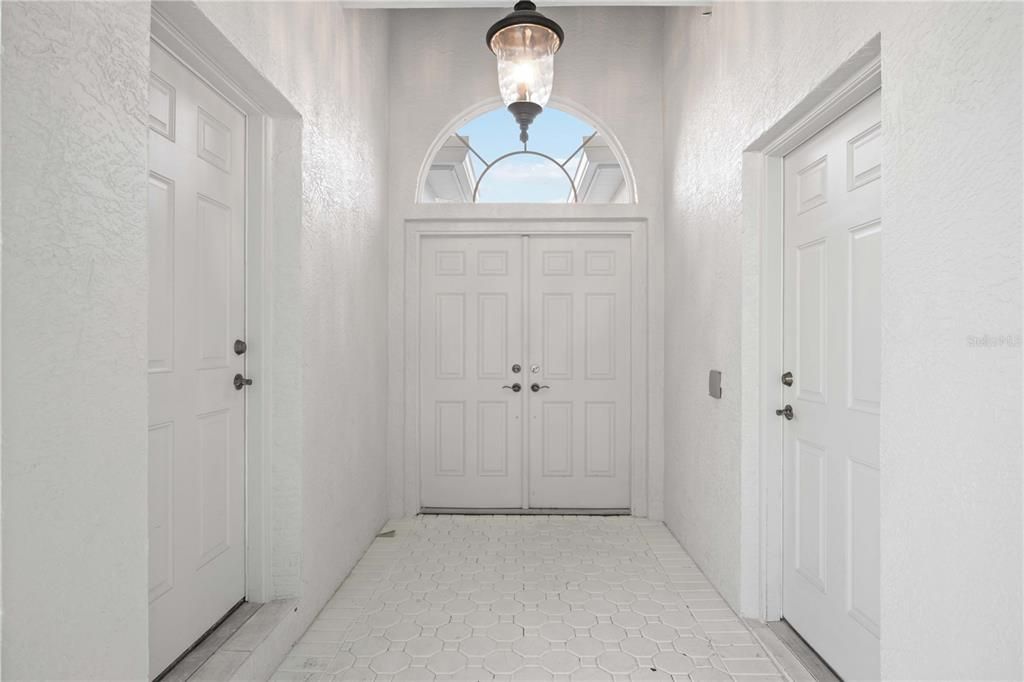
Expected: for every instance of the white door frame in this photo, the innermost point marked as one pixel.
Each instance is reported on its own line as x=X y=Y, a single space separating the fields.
x=174 y=35
x=634 y=228
x=762 y=446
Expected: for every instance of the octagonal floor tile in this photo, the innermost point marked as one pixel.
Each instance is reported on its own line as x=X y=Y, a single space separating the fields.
x=446 y=662
x=692 y=646
x=557 y=632
x=617 y=662
x=402 y=632
x=639 y=646
x=477 y=646
x=503 y=662
x=454 y=632
x=505 y=632
x=531 y=673
x=659 y=632
x=390 y=662
x=673 y=662
x=507 y=607
x=559 y=662
x=370 y=646
x=606 y=632
x=586 y=646
x=531 y=646
x=591 y=674
x=530 y=619
x=580 y=619
x=481 y=619
x=423 y=646
x=678 y=619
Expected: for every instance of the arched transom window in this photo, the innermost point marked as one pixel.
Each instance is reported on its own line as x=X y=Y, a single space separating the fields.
x=565 y=161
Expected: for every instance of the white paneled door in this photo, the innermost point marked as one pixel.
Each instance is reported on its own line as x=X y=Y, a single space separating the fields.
x=832 y=347
x=579 y=381
x=525 y=371
x=197 y=428
x=471 y=333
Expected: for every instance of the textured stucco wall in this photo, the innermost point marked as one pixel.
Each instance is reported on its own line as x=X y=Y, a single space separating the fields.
x=74 y=340
x=332 y=65
x=951 y=416
x=441 y=68
x=74 y=318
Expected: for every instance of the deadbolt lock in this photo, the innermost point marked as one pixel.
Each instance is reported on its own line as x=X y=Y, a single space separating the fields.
x=240 y=347
x=787 y=379
x=517 y=368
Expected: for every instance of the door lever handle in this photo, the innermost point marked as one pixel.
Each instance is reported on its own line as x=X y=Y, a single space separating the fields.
x=537 y=387
x=786 y=412
x=241 y=382
x=514 y=387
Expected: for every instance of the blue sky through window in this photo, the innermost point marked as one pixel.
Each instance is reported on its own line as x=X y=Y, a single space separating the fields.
x=525 y=179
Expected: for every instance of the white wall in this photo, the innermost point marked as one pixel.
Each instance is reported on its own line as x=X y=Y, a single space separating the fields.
x=74 y=340
x=332 y=65
x=441 y=68
x=951 y=418
x=74 y=319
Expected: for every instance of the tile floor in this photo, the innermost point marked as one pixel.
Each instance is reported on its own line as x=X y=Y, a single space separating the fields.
x=527 y=598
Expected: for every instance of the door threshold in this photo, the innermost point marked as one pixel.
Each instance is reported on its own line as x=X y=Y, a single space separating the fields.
x=490 y=511
x=792 y=640
x=206 y=646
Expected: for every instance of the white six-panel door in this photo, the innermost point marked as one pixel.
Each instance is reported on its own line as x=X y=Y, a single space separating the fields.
x=470 y=336
x=832 y=346
x=196 y=431
x=558 y=308
x=579 y=356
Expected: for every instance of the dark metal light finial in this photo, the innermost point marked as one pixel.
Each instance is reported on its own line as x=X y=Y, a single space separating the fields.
x=525 y=113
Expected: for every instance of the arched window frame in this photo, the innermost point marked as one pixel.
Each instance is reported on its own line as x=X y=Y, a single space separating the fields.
x=489 y=105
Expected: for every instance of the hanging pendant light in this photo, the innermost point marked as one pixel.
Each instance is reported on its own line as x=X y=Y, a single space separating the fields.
x=525 y=43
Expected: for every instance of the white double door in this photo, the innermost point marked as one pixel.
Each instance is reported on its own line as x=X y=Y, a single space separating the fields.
x=196 y=299
x=832 y=346
x=525 y=371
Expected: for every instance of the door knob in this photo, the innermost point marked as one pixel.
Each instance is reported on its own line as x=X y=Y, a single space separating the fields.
x=787 y=379
x=514 y=387
x=786 y=412
x=537 y=387
x=241 y=382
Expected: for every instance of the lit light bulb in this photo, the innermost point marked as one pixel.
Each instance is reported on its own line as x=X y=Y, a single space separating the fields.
x=525 y=76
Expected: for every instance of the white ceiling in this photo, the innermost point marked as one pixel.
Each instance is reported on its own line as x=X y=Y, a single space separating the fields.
x=427 y=4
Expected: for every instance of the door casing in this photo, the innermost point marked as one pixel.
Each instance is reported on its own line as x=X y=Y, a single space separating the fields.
x=762 y=444
x=635 y=229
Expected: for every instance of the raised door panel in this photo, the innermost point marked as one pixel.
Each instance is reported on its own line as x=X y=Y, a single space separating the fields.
x=450 y=335
x=492 y=336
x=213 y=255
x=812 y=321
x=161 y=273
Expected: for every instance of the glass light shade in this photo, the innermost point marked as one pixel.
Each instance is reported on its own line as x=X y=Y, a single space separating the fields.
x=526 y=63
